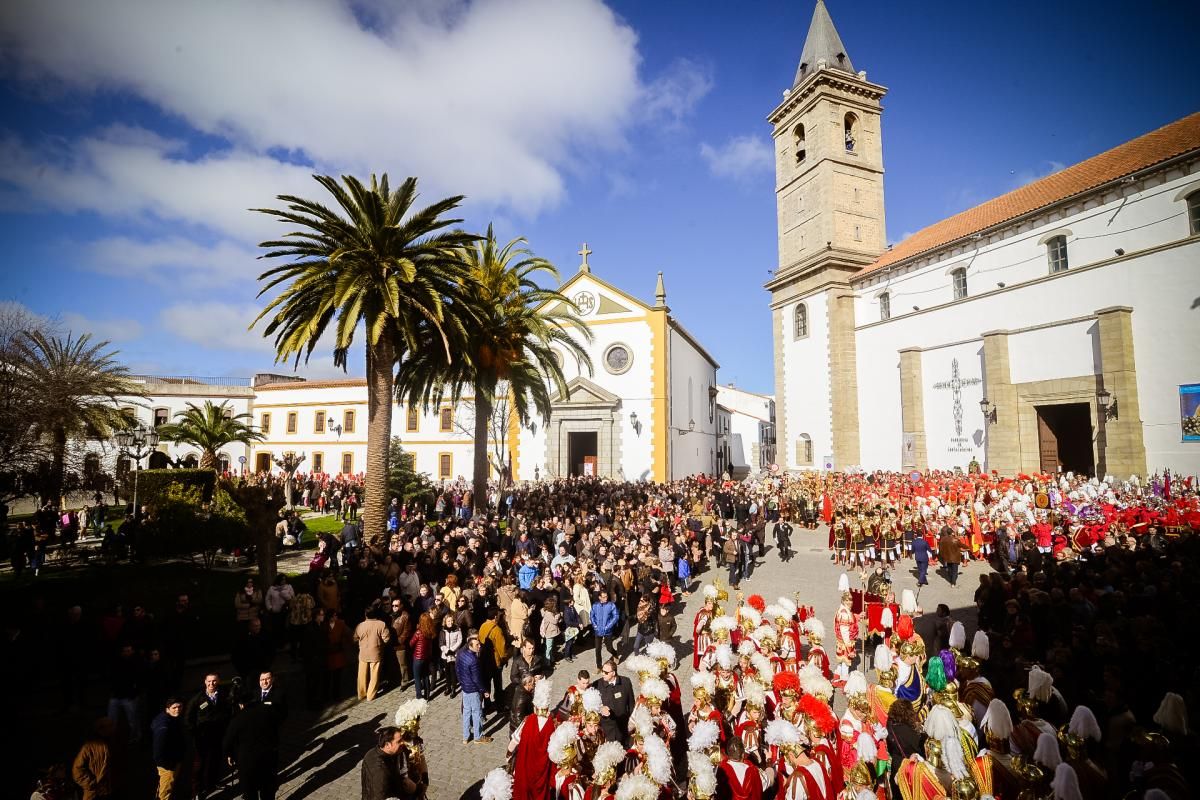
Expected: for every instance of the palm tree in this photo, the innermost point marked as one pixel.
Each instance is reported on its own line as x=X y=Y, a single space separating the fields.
x=79 y=388
x=209 y=429
x=375 y=262
x=504 y=326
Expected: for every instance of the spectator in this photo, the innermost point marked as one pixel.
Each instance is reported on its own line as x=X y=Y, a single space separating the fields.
x=371 y=636
x=167 y=737
x=278 y=601
x=207 y=717
x=248 y=603
x=450 y=639
x=126 y=680
x=950 y=554
x=338 y=640
x=384 y=769
x=252 y=747
x=550 y=627
x=94 y=766
x=253 y=652
x=421 y=646
x=605 y=618
x=470 y=678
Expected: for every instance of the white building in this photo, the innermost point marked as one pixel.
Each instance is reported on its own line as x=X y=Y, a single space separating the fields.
x=751 y=430
x=1069 y=304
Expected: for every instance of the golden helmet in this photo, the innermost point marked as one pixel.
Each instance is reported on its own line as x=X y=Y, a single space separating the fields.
x=860 y=775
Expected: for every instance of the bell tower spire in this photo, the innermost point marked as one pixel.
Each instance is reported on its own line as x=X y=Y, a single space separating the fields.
x=822 y=46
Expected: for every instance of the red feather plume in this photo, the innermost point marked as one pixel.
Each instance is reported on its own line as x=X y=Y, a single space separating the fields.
x=815 y=709
x=756 y=602
x=786 y=681
x=904 y=627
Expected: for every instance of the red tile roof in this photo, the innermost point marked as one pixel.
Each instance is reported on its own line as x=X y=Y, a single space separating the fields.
x=321 y=384
x=1145 y=151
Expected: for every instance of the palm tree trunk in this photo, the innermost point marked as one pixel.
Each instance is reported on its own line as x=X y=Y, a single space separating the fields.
x=58 y=460
x=208 y=460
x=479 y=472
x=381 y=364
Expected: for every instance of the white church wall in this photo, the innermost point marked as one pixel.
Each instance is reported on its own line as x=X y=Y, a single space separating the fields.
x=805 y=403
x=691 y=375
x=1059 y=351
x=1161 y=287
x=1132 y=217
x=879 y=422
x=954 y=425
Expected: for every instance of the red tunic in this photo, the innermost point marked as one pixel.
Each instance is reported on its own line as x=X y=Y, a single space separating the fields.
x=533 y=770
x=748 y=787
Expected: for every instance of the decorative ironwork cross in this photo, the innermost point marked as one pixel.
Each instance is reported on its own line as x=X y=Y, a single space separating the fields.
x=955 y=385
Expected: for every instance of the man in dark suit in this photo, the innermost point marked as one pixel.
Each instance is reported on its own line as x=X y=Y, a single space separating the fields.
x=271 y=696
x=252 y=746
x=207 y=719
x=783 y=539
x=616 y=692
x=920 y=552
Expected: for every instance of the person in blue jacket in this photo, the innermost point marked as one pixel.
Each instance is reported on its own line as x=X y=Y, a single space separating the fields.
x=527 y=574
x=605 y=618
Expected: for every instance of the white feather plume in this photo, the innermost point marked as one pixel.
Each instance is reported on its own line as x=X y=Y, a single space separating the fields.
x=410 y=711
x=787 y=605
x=1066 y=783
x=762 y=667
x=658 y=760
x=723 y=655
x=775 y=611
x=592 y=700
x=1040 y=684
x=908 y=602
x=856 y=684
x=883 y=657
x=865 y=748
x=1047 y=753
x=763 y=633
x=844 y=583
x=642 y=665
x=747 y=648
x=997 y=720
x=781 y=732
x=640 y=722
x=704 y=774
x=814 y=627
x=704 y=736
x=703 y=680
x=750 y=614
x=542 y=693
x=940 y=723
x=1084 y=724
x=815 y=683
x=655 y=689
x=1171 y=715
x=958 y=636
x=636 y=786
x=724 y=623
x=754 y=693
x=887 y=619
x=497 y=785
x=564 y=736
x=661 y=651
x=981 y=646
x=608 y=756
x=710 y=591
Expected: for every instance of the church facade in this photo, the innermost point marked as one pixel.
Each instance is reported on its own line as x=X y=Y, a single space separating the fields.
x=1051 y=328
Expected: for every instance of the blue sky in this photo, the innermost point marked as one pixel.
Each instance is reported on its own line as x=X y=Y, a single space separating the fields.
x=135 y=135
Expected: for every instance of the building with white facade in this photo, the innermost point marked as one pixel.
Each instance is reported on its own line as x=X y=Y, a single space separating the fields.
x=1053 y=327
x=749 y=438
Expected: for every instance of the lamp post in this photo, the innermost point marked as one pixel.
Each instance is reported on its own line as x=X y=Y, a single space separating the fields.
x=136 y=443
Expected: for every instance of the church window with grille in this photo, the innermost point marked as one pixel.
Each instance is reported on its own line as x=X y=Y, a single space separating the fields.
x=1193 y=207
x=885 y=306
x=959 y=276
x=1056 y=254
x=801 y=321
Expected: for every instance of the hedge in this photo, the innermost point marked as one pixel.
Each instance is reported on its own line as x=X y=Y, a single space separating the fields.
x=152 y=483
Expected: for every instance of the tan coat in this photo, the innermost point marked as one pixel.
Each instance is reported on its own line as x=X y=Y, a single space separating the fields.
x=370 y=636
x=92 y=770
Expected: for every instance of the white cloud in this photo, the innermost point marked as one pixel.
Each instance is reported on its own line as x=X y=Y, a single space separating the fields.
x=740 y=158
x=112 y=330
x=491 y=98
x=674 y=94
x=1027 y=176
x=216 y=325
x=173 y=261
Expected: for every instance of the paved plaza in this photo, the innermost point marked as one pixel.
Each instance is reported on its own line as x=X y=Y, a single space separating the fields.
x=322 y=754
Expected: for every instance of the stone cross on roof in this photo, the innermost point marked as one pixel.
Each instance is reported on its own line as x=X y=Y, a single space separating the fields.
x=585 y=267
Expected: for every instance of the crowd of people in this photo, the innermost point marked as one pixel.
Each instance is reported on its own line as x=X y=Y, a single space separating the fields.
x=1088 y=577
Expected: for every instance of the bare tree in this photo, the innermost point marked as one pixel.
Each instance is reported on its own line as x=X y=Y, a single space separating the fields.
x=497 y=432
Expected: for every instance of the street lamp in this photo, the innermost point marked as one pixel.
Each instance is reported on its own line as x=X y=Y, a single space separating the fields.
x=331 y=426
x=1107 y=403
x=136 y=443
x=988 y=408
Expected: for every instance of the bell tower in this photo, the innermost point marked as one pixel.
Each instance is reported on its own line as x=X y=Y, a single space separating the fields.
x=829 y=209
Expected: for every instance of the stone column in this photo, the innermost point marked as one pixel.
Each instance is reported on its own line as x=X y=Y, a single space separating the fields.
x=912 y=403
x=843 y=378
x=1004 y=435
x=1124 y=451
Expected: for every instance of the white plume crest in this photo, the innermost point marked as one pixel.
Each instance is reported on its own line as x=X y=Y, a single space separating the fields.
x=1047 y=753
x=814 y=627
x=908 y=602
x=1040 y=684
x=658 y=760
x=703 y=680
x=704 y=774
x=787 y=605
x=981 y=646
x=844 y=583
x=592 y=700
x=661 y=651
x=1066 y=783
x=410 y=712
x=1084 y=724
x=780 y=732
x=883 y=657
x=608 y=756
x=958 y=635
x=655 y=689
x=564 y=737
x=705 y=735
x=856 y=684
x=636 y=786
x=541 y=694
x=497 y=785
x=997 y=720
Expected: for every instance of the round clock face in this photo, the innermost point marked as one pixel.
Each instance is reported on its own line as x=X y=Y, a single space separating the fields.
x=586 y=302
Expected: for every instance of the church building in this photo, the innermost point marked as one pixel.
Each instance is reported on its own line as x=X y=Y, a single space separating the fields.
x=1052 y=328
x=647 y=408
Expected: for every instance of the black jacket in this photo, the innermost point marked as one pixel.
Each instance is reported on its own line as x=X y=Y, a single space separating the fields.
x=381 y=775
x=619 y=697
x=253 y=737
x=207 y=718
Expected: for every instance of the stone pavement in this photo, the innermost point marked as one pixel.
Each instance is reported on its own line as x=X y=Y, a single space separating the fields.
x=323 y=753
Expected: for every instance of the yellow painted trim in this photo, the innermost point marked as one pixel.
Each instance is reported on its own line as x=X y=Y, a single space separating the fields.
x=467 y=441
x=342 y=463
x=411 y=424
x=641 y=304
x=514 y=438
x=450 y=474
x=660 y=424
x=310 y=443
x=313 y=462
x=320 y=414
x=363 y=402
x=293 y=422
x=590 y=322
x=349 y=420
x=267 y=427
x=442 y=426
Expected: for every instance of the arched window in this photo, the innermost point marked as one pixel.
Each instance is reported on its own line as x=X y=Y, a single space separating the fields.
x=223 y=463
x=885 y=306
x=161 y=416
x=801 y=320
x=1193 y=205
x=91 y=466
x=798 y=142
x=1056 y=254
x=190 y=461
x=804 y=450
x=959 y=276
x=851 y=132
